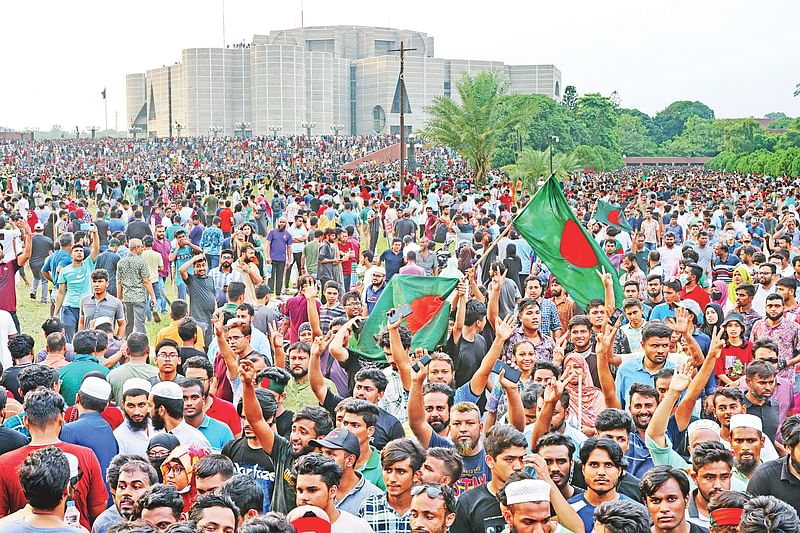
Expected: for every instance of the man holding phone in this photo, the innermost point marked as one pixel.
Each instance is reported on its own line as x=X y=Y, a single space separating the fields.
x=8 y=270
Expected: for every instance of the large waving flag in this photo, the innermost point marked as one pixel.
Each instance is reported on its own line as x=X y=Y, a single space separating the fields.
x=428 y=321
x=612 y=215
x=571 y=254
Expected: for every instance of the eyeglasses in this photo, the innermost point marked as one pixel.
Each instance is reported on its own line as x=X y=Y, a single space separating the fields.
x=174 y=468
x=432 y=491
x=235 y=337
x=165 y=355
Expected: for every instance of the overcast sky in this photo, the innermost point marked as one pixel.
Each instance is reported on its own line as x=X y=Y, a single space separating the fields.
x=739 y=57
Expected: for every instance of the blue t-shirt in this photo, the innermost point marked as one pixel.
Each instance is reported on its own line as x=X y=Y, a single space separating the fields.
x=348 y=218
x=184 y=255
x=393 y=262
x=475 y=472
x=586 y=510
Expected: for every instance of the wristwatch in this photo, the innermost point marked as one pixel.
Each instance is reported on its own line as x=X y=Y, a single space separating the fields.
x=781 y=364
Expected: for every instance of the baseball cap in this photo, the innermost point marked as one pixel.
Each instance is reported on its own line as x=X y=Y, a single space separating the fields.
x=340 y=439
x=38 y=227
x=694 y=307
x=309 y=519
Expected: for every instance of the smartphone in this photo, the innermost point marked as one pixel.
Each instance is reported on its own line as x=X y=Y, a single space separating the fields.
x=615 y=316
x=399 y=313
x=423 y=361
x=511 y=374
x=85 y=227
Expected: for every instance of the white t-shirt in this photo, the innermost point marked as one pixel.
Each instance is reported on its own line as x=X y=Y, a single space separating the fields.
x=349 y=523
x=7 y=328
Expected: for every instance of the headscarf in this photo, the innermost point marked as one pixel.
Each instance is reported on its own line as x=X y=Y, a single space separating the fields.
x=166 y=440
x=187 y=456
x=722 y=287
x=707 y=328
x=746 y=278
x=592 y=400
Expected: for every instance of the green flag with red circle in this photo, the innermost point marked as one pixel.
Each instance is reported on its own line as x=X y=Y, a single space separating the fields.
x=548 y=224
x=612 y=215
x=427 y=323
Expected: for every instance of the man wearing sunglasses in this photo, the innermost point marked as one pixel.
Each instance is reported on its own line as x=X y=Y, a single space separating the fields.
x=433 y=508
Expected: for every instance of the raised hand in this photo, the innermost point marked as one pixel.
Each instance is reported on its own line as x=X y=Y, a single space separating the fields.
x=539 y=466
x=559 y=350
x=219 y=324
x=504 y=328
x=319 y=344
x=682 y=378
x=310 y=290
x=605 y=277
x=715 y=348
x=683 y=320
x=247 y=372
x=275 y=335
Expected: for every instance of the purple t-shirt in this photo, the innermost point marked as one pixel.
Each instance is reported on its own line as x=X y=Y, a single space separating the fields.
x=8 y=291
x=296 y=308
x=279 y=242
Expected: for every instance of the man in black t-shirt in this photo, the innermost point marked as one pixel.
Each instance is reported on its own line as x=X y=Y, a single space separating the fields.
x=247 y=454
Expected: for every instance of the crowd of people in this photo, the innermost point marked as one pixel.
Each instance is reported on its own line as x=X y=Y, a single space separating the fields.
x=247 y=408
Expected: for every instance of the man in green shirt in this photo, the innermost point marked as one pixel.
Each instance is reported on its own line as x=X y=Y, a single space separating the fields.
x=310 y=257
x=88 y=345
x=298 y=391
x=309 y=423
x=360 y=417
x=75 y=282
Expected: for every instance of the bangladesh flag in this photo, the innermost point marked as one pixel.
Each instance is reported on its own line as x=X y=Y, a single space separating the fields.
x=571 y=254
x=428 y=321
x=612 y=215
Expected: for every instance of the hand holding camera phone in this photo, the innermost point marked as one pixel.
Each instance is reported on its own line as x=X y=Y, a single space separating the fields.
x=399 y=313
x=511 y=374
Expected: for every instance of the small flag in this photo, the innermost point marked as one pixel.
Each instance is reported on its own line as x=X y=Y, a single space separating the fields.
x=104 y=93
x=612 y=215
x=548 y=224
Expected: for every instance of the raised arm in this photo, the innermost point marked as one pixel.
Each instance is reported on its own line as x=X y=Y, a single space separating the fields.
x=231 y=361
x=95 y=246
x=683 y=413
x=184 y=269
x=310 y=292
x=609 y=299
x=401 y=358
x=604 y=348
x=684 y=326
x=276 y=342
x=416 y=410
x=516 y=412
x=28 y=239
x=252 y=409
x=337 y=348
x=503 y=330
x=552 y=394
x=657 y=429
x=493 y=308
x=461 y=309
x=565 y=514
x=315 y=378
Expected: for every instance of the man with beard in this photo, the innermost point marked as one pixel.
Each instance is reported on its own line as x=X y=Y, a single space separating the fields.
x=566 y=306
x=134 y=434
x=527 y=506
x=128 y=479
x=654 y=296
x=309 y=423
x=644 y=399
x=298 y=391
x=248 y=272
x=433 y=508
x=557 y=451
x=760 y=377
x=728 y=402
x=665 y=491
x=602 y=465
x=374 y=290
x=655 y=343
x=747 y=440
x=278 y=244
x=224 y=275
x=200 y=287
x=246 y=452
x=166 y=412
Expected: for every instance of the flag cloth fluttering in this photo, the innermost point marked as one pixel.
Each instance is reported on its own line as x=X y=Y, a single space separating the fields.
x=548 y=224
x=428 y=321
x=612 y=215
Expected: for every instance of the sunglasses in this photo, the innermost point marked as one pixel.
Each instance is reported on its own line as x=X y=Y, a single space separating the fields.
x=432 y=491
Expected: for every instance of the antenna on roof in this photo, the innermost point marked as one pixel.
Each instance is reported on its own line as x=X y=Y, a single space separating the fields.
x=301 y=14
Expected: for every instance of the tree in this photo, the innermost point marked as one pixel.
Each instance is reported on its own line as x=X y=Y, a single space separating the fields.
x=701 y=137
x=671 y=121
x=775 y=115
x=474 y=126
x=634 y=138
x=740 y=135
x=598 y=115
x=533 y=166
x=570 y=98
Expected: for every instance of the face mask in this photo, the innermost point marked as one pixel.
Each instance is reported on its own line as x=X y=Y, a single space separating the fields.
x=684 y=279
x=716 y=295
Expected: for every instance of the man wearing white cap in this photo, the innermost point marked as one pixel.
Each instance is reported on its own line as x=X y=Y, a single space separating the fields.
x=134 y=434
x=91 y=429
x=747 y=441
x=525 y=504
x=166 y=412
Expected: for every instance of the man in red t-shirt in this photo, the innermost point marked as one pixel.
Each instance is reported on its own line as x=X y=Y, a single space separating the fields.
x=226 y=216
x=43 y=408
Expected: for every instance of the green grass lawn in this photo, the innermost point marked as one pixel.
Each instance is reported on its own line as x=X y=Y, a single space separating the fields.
x=32 y=314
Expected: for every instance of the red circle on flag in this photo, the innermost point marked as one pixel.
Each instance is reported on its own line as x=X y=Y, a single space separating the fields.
x=575 y=248
x=613 y=216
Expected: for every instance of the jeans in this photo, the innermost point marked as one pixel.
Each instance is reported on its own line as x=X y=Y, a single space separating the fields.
x=37 y=279
x=182 y=290
x=650 y=246
x=160 y=303
x=276 y=279
x=135 y=313
x=69 y=318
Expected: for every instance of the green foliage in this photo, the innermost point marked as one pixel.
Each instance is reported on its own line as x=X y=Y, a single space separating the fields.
x=598 y=158
x=634 y=138
x=788 y=139
x=701 y=137
x=532 y=166
x=779 y=163
x=671 y=121
x=775 y=115
x=599 y=117
x=570 y=98
x=474 y=126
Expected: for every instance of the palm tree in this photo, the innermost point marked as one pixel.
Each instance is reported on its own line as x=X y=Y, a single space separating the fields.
x=532 y=167
x=473 y=126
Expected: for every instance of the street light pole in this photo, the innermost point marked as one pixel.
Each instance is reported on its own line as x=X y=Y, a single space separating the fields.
x=214 y=130
x=402 y=85
x=275 y=129
x=242 y=127
x=308 y=126
x=179 y=126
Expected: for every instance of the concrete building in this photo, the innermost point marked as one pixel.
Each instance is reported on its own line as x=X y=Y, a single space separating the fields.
x=290 y=81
